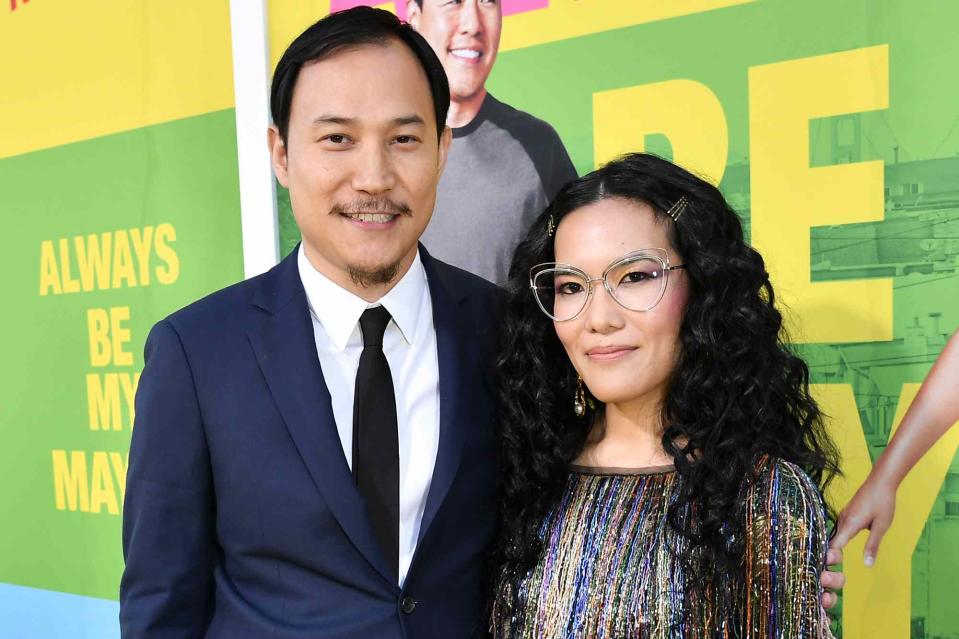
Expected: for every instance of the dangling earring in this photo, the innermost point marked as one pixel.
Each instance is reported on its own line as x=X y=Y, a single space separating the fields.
x=579 y=398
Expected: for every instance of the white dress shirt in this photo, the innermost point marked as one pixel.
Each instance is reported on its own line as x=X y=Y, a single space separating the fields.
x=409 y=344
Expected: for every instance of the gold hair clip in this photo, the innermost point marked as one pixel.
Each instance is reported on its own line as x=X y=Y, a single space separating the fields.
x=677 y=209
x=550 y=227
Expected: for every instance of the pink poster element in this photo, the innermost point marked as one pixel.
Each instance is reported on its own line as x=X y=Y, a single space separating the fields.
x=510 y=7
x=522 y=6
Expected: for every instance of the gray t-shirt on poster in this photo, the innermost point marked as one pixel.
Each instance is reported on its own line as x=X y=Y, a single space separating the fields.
x=504 y=167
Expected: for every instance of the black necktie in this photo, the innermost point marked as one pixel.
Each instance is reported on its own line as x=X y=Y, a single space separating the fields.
x=376 y=448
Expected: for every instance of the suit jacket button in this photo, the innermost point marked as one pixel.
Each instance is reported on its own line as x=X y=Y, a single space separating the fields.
x=408 y=605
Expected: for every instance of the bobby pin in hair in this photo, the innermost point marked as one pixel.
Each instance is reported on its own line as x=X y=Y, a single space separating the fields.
x=678 y=208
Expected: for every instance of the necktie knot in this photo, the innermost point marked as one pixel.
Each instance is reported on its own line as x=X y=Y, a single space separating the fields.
x=373 y=323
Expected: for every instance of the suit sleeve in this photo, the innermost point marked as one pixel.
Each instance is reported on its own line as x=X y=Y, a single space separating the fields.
x=168 y=516
x=785 y=555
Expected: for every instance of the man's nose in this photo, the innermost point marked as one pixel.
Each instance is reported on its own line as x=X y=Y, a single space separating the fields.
x=373 y=173
x=469 y=22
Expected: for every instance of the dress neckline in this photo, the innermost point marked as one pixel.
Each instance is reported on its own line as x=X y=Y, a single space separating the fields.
x=617 y=470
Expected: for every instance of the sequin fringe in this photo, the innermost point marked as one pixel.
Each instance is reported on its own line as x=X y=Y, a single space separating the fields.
x=611 y=568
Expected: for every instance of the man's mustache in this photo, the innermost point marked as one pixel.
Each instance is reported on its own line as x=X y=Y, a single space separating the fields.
x=371 y=205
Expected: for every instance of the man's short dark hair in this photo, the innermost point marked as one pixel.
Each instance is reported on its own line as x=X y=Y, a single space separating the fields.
x=351 y=28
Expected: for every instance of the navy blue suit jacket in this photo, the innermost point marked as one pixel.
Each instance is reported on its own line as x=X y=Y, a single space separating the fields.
x=241 y=518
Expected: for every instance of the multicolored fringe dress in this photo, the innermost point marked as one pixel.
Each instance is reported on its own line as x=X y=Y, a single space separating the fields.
x=610 y=566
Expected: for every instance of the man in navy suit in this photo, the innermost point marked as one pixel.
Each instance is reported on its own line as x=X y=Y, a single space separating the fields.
x=264 y=496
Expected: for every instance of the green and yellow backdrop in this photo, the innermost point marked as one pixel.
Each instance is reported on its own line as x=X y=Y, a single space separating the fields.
x=831 y=126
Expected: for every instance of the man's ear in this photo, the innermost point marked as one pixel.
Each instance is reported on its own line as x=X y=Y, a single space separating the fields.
x=413 y=13
x=446 y=137
x=278 y=156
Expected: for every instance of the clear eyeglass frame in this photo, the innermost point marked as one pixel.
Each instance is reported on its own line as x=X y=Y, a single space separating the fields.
x=657 y=254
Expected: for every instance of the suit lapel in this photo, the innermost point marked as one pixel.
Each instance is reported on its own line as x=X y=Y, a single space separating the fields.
x=451 y=338
x=286 y=352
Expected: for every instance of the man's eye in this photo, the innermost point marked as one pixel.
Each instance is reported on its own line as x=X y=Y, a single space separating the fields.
x=336 y=138
x=404 y=139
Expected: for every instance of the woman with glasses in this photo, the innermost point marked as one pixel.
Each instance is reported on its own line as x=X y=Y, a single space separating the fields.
x=663 y=458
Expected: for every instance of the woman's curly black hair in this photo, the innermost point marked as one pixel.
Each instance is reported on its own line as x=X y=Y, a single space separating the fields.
x=737 y=393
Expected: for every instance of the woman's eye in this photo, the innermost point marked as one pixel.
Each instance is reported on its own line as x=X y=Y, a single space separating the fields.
x=569 y=288
x=637 y=277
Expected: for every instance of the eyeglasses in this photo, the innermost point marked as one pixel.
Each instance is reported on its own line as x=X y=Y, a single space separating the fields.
x=636 y=281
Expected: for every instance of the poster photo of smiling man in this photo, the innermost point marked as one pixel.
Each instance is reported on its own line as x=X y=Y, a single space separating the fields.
x=504 y=165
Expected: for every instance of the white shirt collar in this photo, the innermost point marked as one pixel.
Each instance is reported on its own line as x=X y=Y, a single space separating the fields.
x=338 y=310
